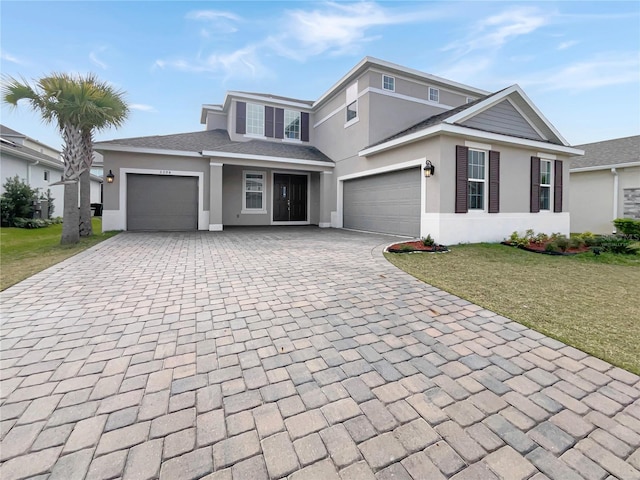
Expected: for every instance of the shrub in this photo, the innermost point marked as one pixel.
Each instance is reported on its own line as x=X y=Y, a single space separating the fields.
x=407 y=248
x=541 y=238
x=576 y=242
x=30 y=222
x=551 y=247
x=16 y=200
x=628 y=226
x=524 y=241
x=562 y=242
x=428 y=241
x=49 y=199
x=617 y=244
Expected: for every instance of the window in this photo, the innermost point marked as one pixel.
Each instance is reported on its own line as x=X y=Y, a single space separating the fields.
x=388 y=83
x=545 y=185
x=434 y=94
x=477 y=179
x=292 y=124
x=255 y=119
x=352 y=110
x=46 y=175
x=253 y=198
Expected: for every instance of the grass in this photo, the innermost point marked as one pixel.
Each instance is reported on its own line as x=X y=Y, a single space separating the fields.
x=587 y=301
x=25 y=252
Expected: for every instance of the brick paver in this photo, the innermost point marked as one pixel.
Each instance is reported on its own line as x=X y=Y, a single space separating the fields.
x=290 y=352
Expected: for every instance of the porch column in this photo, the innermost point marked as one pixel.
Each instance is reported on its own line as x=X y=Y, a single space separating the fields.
x=215 y=197
x=327 y=198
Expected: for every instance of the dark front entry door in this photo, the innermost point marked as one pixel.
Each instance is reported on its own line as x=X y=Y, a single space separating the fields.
x=289 y=198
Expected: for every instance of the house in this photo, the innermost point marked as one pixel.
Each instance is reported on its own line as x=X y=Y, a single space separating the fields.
x=605 y=184
x=38 y=165
x=357 y=157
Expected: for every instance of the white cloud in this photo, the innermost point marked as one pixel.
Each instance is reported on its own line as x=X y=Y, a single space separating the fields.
x=243 y=62
x=568 y=44
x=142 y=107
x=602 y=71
x=93 y=56
x=495 y=31
x=7 y=57
x=217 y=22
x=336 y=28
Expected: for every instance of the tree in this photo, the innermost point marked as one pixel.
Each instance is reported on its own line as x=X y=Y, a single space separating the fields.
x=16 y=201
x=76 y=105
x=109 y=110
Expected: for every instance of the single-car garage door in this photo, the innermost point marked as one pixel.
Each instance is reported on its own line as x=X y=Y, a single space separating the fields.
x=162 y=203
x=385 y=203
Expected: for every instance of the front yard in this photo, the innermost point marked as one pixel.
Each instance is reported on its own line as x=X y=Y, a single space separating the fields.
x=585 y=301
x=25 y=252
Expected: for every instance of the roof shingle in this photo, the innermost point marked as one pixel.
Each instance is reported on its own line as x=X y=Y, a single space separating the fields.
x=608 y=152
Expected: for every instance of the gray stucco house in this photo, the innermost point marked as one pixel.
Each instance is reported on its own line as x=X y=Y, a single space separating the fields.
x=356 y=158
x=605 y=184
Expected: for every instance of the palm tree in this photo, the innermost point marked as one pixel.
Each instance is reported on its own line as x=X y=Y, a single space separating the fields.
x=108 y=110
x=77 y=105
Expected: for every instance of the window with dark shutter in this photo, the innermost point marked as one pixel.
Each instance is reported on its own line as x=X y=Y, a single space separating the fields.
x=494 y=182
x=268 y=121
x=557 y=186
x=462 y=160
x=241 y=117
x=304 y=127
x=535 y=185
x=279 y=123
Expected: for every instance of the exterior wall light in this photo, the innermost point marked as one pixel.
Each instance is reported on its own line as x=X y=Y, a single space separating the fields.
x=429 y=169
x=110 y=177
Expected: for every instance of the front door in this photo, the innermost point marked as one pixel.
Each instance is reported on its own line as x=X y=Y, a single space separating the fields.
x=289 y=198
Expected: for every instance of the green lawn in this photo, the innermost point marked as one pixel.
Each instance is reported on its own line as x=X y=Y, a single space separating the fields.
x=24 y=252
x=589 y=302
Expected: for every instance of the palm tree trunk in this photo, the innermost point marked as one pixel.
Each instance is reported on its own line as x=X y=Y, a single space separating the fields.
x=71 y=216
x=72 y=154
x=85 y=204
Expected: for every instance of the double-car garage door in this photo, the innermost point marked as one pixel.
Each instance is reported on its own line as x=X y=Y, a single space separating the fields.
x=162 y=203
x=385 y=203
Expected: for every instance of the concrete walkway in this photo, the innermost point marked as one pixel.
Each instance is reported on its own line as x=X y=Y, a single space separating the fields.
x=290 y=352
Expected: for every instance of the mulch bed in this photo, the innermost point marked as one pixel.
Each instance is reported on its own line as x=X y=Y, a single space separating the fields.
x=417 y=246
x=540 y=248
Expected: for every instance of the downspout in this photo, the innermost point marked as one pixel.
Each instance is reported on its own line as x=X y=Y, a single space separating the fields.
x=615 y=195
x=29 y=170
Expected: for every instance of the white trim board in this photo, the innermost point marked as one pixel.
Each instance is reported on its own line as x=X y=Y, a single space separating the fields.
x=155 y=151
x=267 y=158
x=467 y=132
x=604 y=167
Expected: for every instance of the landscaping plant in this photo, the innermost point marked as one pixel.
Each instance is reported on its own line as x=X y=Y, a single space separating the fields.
x=16 y=201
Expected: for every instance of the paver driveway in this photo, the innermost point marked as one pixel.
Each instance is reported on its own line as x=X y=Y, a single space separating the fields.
x=300 y=352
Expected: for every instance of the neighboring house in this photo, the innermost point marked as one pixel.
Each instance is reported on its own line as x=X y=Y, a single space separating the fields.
x=605 y=184
x=38 y=165
x=354 y=158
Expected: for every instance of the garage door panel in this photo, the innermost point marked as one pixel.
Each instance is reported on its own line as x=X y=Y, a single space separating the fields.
x=162 y=203
x=386 y=203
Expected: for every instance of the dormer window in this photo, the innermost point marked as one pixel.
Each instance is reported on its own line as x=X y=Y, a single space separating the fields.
x=292 y=125
x=434 y=95
x=255 y=119
x=388 y=83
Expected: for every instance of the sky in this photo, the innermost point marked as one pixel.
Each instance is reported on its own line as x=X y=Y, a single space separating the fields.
x=578 y=61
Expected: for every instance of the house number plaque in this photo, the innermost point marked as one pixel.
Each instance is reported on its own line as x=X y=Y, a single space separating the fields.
x=165 y=172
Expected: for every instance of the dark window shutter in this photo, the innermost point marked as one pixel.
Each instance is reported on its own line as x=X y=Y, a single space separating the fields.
x=494 y=182
x=241 y=117
x=268 y=121
x=279 y=124
x=535 y=184
x=462 y=179
x=557 y=186
x=304 y=127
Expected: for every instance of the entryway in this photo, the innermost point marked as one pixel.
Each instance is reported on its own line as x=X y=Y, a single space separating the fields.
x=290 y=197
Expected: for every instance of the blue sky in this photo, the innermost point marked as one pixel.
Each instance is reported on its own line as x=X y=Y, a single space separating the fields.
x=578 y=61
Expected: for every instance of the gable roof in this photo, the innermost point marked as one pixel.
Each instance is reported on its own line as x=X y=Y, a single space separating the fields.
x=195 y=143
x=609 y=153
x=29 y=154
x=546 y=132
x=9 y=132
